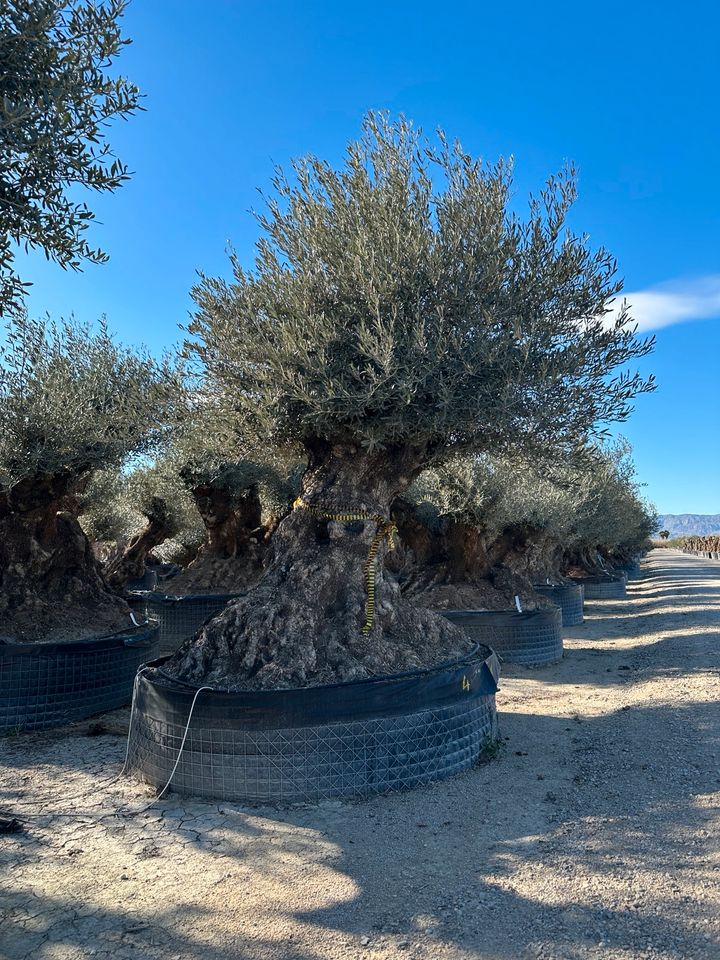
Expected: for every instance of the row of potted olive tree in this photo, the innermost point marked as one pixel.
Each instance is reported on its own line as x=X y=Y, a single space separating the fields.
x=401 y=317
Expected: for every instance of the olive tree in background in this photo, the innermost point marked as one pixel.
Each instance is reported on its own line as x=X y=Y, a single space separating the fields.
x=154 y=506
x=240 y=504
x=477 y=532
x=613 y=521
x=72 y=401
x=399 y=311
x=57 y=93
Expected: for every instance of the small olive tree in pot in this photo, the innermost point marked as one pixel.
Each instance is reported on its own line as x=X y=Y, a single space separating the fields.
x=388 y=323
x=71 y=402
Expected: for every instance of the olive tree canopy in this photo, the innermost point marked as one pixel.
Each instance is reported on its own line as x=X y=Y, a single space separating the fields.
x=57 y=94
x=401 y=300
x=613 y=518
x=72 y=400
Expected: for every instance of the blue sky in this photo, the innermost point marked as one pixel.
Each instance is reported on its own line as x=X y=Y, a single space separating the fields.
x=628 y=92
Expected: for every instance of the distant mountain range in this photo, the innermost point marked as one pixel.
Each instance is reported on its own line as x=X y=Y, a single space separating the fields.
x=690 y=524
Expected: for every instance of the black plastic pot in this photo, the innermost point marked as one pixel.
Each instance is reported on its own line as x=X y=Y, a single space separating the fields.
x=532 y=638
x=345 y=740
x=569 y=597
x=178 y=618
x=608 y=587
x=48 y=684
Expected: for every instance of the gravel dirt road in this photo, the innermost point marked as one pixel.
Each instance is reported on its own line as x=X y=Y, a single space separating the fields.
x=594 y=834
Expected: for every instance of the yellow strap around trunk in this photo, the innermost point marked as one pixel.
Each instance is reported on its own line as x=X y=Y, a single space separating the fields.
x=385 y=531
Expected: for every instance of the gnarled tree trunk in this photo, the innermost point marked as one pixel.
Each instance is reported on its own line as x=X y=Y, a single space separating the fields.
x=303 y=623
x=531 y=554
x=232 y=557
x=129 y=561
x=468 y=569
x=51 y=587
x=582 y=560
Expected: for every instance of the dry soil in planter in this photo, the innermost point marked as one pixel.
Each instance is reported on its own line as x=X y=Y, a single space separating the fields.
x=345 y=740
x=48 y=684
x=567 y=596
x=532 y=638
x=178 y=617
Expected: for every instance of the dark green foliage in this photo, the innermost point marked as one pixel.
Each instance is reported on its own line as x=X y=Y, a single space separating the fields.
x=57 y=94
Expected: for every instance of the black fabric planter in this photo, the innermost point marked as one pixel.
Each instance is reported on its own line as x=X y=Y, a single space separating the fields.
x=48 y=684
x=148 y=581
x=533 y=638
x=178 y=617
x=567 y=596
x=603 y=588
x=344 y=740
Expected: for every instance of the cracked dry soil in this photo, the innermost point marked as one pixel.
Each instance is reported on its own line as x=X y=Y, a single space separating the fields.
x=593 y=835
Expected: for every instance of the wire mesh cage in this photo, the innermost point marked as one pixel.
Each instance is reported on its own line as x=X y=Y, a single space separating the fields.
x=347 y=740
x=569 y=597
x=532 y=638
x=178 y=617
x=48 y=684
x=604 y=588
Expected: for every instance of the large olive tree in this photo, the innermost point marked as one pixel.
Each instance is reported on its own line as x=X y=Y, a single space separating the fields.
x=57 y=95
x=72 y=401
x=399 y=310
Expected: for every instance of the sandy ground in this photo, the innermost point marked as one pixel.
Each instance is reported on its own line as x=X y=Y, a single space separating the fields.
x=594 y=834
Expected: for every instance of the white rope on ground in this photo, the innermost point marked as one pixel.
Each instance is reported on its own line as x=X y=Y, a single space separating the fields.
x=108 y=783
x=133 y=813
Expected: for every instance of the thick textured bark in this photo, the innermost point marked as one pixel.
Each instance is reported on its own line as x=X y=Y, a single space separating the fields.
x=582 y=560
x=302 y=624
x=232 y=557
x=465 y=568
x=532 y=554
x=129 y=560
x=51 y=587
x=229 y=520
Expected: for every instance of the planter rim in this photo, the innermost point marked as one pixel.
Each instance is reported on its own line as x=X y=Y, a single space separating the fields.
x=131 y=636
x=159 y=596
x=597 y=578
x=502 y=614
x=473 y=675
x=554 y=586
x=474 y=653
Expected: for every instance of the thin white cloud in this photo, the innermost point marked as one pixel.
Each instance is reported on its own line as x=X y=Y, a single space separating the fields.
x=678 y=301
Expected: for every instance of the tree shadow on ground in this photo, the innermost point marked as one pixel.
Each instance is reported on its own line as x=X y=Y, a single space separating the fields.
x=586 y=831
x=442 y=867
